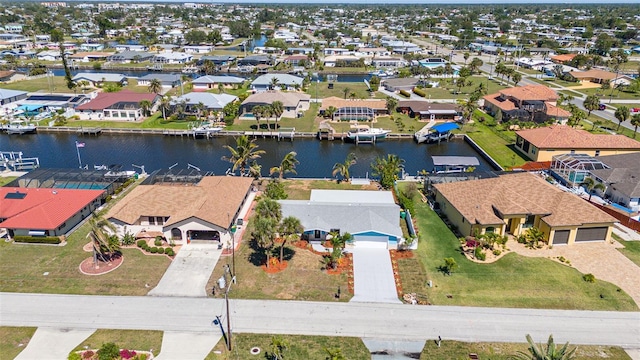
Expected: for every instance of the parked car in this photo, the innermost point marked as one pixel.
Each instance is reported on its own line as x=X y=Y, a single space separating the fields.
x=602 y=107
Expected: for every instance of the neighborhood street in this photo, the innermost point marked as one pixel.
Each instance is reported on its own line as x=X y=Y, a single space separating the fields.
x=387 y=321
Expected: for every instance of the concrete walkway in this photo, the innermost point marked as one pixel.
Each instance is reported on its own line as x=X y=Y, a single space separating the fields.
x=625 y=233
x=53 y=343
x=189 y=272
x=187 y=345
x=386 y=349
x=373 y=276
x=597 y=258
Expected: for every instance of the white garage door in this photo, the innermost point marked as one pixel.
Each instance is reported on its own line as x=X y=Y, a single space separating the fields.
x=370 y=242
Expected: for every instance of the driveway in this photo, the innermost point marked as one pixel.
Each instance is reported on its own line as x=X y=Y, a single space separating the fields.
x=373 y=276
x=53 y=343
x=597 y=258
x=189 y=272
x=188 y=345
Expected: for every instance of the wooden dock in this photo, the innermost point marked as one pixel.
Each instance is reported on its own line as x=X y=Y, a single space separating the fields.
x=89 y=131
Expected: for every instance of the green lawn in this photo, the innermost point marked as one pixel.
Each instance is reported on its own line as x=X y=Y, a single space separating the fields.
x=450 y=349
x=500 y=148
x=307 y=123
x=300 y=347
x=631 y=250
x=5 y=180
x=301 y=189
x=152 y=122
x=42 y=84
x=513 y=281
x=143 y=340
x=345 y=70
x=605 y=95
x=13 y=340
x=409 y=125
x=323 y=91
x=446 y=90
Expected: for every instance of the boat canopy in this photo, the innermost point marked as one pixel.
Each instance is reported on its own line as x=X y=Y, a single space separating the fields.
x=444 y=127
x=455 y=160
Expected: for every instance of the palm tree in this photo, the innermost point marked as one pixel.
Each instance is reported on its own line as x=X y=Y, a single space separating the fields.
x=269 y=208
x=255 y=170
x=278 y=346
x=334 y=354
x=346 y=92
x=220 y=88
x=548 y=352
x=200 y=109
x=267 y=112
x=106 y=246
x=352 y=95
x=208 y=67
x=258 y=112
x=591 y=185
x=635 y=121
x=277 y=107
x=330 y=111
x=145 y=105
x=391 y=104
x=387 y=169
x=289 y=227
x=591 y=102
x=165 y=104
x=155 y=86
x=288 y=164
x=468 y=107
x=343 y=168
x=274 y=83
x=622 y=114
x=244 y=151
x=264 y=229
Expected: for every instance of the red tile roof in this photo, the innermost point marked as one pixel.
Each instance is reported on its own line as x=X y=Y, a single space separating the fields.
x=566 y=137
x=42 y=209
x=495 y=99
x=531 y=92
x=105 y=100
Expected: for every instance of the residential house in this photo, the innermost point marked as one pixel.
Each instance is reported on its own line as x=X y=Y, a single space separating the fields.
x=218 y=60
x=513 y=203
x=172 y=58
x=593 y=75
x=397 y=84
x=342 y=60
x=167 y=80
x=91 y=47
x=563 y=58
x=210 y=82
x=356 y=109
x=129 y=47
x=526 y=103
x=49 y=55
x=204 y=212
x=27 y=211
x=429 y=111
x=388 y=62
x=282 y=82
x=89 y=56
x=123 y=105
x=8 y=96
x=300 y=50
x=211 y=102
x=10 y=75
x=375 y=224
x=129 y=56
x=197 y=49
x=541 y=144
x=296 y=60
x=98 y=79
x=294 y=103
x=621 y=176
x=255 y=60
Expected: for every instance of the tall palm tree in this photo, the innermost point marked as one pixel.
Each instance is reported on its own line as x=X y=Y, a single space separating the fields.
x=264 y=230
x=591 y=185
x=258 y=112
x=165 y=104
x=343 y=167
x=244 y=151
x=635 y=121
x=145 y=105
x=269 y=208
x=208 y=67
x=289 y=227
x=220 y=88
x=548 y=352
x=277 y=107
x=267 y=112
x=591 y=102
x=288 y=164
x=274 y=83
x=391 y=104
x=387 y=169
x=622 y=114
x=346 y=92
x=106 y=246
x=330 y=111
x=155 y=86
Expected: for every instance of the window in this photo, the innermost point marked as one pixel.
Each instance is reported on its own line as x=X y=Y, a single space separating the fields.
x=528 y=223
x=534 y=149
x=152 y=220
x=573 y=151
x=490 y=229
x=597 y=152
x=160 y=220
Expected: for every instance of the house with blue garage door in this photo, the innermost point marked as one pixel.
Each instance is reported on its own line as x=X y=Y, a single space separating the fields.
x=371 y=217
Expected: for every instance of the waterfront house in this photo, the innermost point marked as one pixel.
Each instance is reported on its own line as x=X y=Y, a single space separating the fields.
x=204 y=211
x=91 y=47
x=219 y=60
x=541 y=144
x=429 y=111
x=255 y=60
x=197 y=49
x=593 y=76
x=8 y=96
x=296 y=60
x=356 y=109
x=172 y=58
x=129 y=56
x=343 y=60
x=123 y=105
x=388 y=62
x=621 y=176
x=210 y=82
x=98 y=79
x=211 y=102
x=89 y=56
x=526 y=103
x=49 y=55
x=27 y=211
x=295 y=103
x=129 y=47
x=398 y=84
x=513 y=203
x=283 y=82
x=167 y=80
x=375 y=224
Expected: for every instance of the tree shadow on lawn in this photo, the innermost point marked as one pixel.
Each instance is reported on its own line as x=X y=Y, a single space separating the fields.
x=258 y=256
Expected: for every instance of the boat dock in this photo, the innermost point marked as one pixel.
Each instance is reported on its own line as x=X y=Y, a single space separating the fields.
x=89 y=131
x=13 y=161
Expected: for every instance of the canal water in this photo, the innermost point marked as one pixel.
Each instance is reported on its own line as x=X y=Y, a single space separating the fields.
x=156 y=151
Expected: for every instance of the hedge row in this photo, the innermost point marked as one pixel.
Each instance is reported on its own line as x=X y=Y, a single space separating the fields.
x=155 y=250
x=405 y=93
x=419 y=92
x=37 y=239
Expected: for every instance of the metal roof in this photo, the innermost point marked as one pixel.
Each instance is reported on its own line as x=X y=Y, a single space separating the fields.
x=444 y=127
x=455 y=160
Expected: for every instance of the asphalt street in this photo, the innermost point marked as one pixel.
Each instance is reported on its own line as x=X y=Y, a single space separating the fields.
x=369 y=320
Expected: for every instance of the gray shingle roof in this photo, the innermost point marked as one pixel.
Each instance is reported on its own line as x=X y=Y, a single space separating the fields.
x=211 y=101
x=283 y=79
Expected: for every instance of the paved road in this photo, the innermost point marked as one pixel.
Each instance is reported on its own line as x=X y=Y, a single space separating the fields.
x=388 y=321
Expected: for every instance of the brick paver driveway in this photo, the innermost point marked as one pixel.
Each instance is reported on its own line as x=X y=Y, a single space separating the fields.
x=598 y=258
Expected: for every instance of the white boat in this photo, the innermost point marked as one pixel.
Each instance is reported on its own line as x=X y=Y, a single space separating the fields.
x=363 y=133
x=20 y=127
x=205 y=130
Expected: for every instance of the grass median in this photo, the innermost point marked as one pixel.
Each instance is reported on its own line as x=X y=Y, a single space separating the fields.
x=13 y=340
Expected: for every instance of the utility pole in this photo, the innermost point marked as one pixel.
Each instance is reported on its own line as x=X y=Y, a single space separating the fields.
x=226 y=300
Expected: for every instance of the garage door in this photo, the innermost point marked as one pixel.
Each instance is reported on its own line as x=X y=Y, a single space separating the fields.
x=592 y=234
x=561 y=237
x=370 y=242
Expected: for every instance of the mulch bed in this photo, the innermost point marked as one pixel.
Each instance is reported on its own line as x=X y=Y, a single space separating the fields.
x=275 y=267
x=395 y=255
x=401 y=254
x=87 y=266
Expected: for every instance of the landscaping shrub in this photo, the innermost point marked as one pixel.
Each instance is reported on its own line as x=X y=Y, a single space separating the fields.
x=169 y=251
x=497 y=252
x=127 y=354
x=88 y=354
x=108 y=198
x=161 y=250
x=419 y=92
x=590 y=278
x=37 y=239
x=479 y=254
x=405 y=93
x=108 y=351
x=154 y=250
x=406 y=203
x=157 y=242
x=141 y=243
x=74 y=356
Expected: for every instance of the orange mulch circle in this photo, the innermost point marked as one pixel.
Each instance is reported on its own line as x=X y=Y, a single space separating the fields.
x=88 y=268
x=88 y=247
x=275 y=267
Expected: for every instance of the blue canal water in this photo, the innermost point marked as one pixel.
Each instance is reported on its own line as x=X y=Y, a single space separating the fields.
x=156 y=151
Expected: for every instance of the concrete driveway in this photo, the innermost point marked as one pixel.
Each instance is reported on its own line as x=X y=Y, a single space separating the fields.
x=373 y=276
x=187 y=345
x=53 y=343
x=189 y=272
